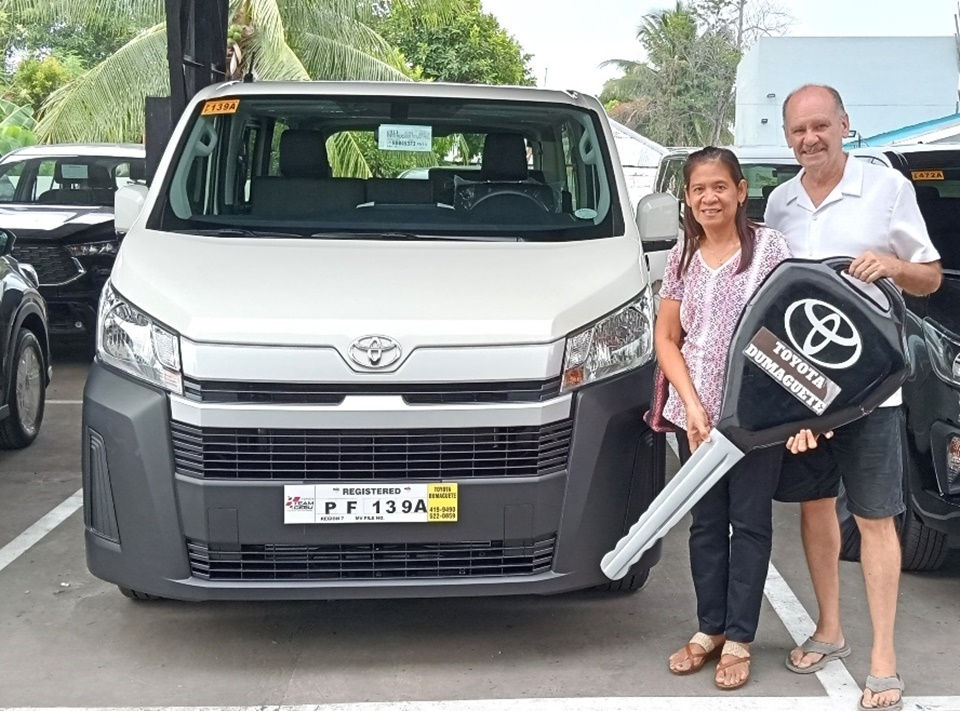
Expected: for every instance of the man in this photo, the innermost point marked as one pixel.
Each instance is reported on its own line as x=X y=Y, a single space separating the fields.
x=839 y=205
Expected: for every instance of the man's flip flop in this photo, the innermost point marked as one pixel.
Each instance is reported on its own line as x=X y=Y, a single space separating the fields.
x=812 y=646
x=879 y=684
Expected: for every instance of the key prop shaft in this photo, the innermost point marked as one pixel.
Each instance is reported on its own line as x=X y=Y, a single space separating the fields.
x=705 y=468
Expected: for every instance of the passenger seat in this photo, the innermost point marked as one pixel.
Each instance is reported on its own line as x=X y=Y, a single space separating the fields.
x=304 y=187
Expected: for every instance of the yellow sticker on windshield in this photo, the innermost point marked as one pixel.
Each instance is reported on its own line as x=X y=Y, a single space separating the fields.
x=926 y=174
x=220 y=106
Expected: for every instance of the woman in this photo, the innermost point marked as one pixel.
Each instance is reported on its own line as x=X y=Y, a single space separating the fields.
x=722 y=260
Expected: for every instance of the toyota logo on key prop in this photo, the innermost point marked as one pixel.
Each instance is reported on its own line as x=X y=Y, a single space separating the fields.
x=375 y=351
x=823 y=333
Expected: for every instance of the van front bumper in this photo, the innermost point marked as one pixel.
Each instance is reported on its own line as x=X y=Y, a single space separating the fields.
x=157 y=530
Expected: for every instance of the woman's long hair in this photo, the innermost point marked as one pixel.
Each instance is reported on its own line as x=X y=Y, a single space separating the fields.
x=693 y=230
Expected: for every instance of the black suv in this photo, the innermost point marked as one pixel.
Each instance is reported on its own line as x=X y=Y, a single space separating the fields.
x=58 y=200
x=24 y=350
x=931 y=396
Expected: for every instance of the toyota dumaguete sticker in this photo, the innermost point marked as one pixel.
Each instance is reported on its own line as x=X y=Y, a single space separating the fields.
x=791 y=371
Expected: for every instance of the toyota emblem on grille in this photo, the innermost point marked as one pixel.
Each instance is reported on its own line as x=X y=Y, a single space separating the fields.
x=375 y=351
x=813 y=326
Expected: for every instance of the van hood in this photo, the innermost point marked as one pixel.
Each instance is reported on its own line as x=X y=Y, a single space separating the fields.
x=267 y=291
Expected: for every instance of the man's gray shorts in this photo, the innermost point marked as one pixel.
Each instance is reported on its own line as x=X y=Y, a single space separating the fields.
x=866 y=454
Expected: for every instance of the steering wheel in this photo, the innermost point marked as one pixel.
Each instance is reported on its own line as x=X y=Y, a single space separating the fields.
x=500 y=193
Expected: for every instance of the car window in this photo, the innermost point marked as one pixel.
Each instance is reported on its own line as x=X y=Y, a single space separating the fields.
x=78 y=180
x=670 y=177
x=938 y=195
x=318 y=165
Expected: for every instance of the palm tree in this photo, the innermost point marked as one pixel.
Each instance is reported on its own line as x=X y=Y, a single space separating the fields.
x=284 y=39
x=680 y=94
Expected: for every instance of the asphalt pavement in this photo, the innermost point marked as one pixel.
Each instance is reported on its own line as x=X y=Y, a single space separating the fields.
x=70 y=640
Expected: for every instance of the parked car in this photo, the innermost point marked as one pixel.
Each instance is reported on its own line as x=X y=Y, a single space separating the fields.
x=932 y=458
x=930 y=396
x=58 y=199
x=24 y=350
x=311 y=384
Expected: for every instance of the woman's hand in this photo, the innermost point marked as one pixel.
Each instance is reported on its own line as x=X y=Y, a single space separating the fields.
x=804 y=440
x=698 y=425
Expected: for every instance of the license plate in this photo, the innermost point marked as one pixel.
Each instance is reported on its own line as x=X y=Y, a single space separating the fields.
x=369 y=503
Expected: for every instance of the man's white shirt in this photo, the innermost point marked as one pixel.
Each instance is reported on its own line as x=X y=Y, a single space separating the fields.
x=873 y=208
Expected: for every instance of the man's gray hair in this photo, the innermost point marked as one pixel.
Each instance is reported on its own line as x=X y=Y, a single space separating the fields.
x=829 y=89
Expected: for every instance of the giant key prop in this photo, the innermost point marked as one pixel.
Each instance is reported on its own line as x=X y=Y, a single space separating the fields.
x=813 y=349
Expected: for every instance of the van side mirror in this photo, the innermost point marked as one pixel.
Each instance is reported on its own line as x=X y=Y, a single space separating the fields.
x=127 y=202
x=7 y=238
x=657 y=221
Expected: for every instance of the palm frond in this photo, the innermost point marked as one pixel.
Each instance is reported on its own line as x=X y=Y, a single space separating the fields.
x=346 y=157
x=90 y=13
x=268 y=50
x=308 y=13
x=106 y=102
x=333 y=58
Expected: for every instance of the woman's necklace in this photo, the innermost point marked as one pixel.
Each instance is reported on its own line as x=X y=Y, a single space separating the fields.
x=716 y=256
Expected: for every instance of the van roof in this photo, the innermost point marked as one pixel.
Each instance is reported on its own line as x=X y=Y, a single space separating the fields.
x=400 y=89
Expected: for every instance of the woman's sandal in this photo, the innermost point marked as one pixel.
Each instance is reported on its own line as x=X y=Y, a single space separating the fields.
x=879 y=684
x=742 y=654
x=697 y=659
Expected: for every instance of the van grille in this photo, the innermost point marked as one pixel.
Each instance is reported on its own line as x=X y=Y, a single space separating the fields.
x=325 y=455
x=332 y=394
x=276 y=561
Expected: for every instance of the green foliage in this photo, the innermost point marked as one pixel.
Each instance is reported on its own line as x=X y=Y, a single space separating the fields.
x=16 y=126
x=683 y=93
x=35 y=79
x=470 y=48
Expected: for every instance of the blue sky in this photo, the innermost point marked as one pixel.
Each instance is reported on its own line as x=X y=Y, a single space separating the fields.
x=569 y=38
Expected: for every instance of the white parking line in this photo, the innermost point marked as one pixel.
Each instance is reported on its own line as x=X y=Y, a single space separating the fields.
x=64 y=402
x=615 y=703
x=22 y=543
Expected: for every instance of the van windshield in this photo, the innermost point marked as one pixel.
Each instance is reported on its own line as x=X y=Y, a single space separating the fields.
x=335 y=167
x=937 y=183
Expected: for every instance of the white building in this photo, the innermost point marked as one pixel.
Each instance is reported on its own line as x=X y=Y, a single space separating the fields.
x=886 y=82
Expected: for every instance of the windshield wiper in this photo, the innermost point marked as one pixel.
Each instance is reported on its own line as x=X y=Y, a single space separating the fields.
x=239 y=232
x=409 y=236
x=367 y=235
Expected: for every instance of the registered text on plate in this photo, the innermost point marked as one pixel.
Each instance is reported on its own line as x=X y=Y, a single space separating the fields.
x=370 y=503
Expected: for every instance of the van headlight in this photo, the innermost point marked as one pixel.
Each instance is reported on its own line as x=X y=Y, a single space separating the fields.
x=944 y=349
x=131 y=341
x=618 y=342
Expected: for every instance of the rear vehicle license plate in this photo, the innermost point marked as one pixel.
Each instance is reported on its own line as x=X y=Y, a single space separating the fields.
x=370 y=503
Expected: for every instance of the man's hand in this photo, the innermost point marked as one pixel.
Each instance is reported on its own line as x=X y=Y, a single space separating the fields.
x=804 y=440
x=869 y=267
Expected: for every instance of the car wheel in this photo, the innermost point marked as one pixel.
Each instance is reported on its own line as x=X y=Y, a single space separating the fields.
x=921 y=547
x=137 y=595
x=27 y=395
x=631 y=582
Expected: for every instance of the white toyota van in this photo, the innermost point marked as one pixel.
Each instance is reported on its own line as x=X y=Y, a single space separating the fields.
x=316 y=380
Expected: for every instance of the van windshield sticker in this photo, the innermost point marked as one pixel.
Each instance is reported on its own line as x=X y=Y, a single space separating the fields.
x=404 y=137
x=926 y=174
x=220 y=106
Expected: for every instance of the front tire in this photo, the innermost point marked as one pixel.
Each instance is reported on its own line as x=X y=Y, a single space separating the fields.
x=631 y=582
x=27 y=393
